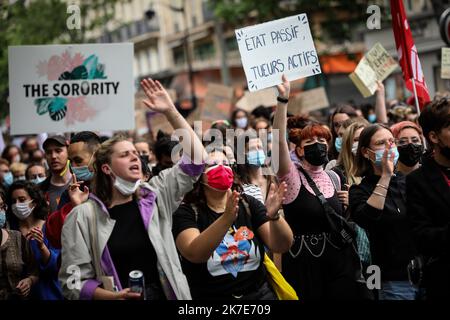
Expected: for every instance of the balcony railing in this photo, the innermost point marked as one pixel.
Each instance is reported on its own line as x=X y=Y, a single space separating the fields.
x=131 y=30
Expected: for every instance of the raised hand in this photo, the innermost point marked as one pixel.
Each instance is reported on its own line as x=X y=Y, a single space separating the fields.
x=36 y=234
x=75 y=194
x=231 y=210
x=157 y=97
x=275 y=199
x=380 y=89
x=387 y=163
x=284 y=88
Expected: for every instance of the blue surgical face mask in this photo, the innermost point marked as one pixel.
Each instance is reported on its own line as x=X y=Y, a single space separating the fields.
x=38 y=180
x=338 y=144
x=379 y=156
x=372 y=118
x=8 y=179
x=256 y=158
x=83 y=173
x=242 y=123
x=2 y=218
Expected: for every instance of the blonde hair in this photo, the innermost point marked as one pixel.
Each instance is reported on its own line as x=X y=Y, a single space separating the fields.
x=17 y=166
x=102 y=184
x=346 y=158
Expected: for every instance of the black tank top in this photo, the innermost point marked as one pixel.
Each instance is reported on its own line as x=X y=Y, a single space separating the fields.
x=306 y=214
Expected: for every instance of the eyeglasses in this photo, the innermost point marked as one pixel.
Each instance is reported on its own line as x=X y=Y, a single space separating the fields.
x=337 y=124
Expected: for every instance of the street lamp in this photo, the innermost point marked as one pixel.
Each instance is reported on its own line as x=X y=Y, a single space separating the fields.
x=150 y=14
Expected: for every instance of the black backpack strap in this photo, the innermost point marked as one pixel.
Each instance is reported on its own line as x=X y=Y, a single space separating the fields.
x=313 y=185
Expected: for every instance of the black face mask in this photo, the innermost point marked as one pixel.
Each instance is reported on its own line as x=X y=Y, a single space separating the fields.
x=316 y=154
x=410 y=154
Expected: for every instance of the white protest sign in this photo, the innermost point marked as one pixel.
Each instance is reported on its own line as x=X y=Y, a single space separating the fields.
x=270 y=49
x=445 y=63
x=63 y=88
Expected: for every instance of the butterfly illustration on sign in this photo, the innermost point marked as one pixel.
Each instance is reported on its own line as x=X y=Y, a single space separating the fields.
x=67 y=68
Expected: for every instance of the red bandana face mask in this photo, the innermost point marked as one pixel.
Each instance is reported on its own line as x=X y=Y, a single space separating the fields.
x=219 y=177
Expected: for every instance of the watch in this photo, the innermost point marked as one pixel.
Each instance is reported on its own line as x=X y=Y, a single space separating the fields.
x=282 y=100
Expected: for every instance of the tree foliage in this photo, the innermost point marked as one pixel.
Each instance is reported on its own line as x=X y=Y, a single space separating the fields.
x=341 y=17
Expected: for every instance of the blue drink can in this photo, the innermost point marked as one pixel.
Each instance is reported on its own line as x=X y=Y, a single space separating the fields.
x=136 y=282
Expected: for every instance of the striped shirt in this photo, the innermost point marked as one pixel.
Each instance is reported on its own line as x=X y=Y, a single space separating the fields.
x=253 y=191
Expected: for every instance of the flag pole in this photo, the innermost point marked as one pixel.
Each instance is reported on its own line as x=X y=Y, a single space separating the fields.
x=417 y=106
x=415 y=96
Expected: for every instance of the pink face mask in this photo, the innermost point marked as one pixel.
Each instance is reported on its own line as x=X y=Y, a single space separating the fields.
x=219 y=177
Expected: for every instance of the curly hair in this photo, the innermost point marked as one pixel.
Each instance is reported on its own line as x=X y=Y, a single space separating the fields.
x=41 y=208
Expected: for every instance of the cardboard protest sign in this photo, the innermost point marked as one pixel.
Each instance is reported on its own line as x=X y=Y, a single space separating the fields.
x=251 y=100
x=217 y=104
x=270 y=49
x=307 y=101
x=445 y=63
x=62 y=88
x=376 y=65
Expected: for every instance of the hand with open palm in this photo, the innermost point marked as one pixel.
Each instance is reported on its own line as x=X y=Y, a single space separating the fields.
x=158 y=99
x=275 y=199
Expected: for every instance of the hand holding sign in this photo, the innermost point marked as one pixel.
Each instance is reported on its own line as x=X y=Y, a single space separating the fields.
x=158 y=99
x=284 y=88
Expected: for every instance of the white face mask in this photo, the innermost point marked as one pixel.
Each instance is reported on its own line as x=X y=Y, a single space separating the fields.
x=355 y=147
x=22 y=210
x=125 y=187
x=38 y=180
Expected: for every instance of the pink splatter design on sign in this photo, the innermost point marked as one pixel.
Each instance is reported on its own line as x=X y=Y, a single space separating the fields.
x=56 y=65
x=78 y=110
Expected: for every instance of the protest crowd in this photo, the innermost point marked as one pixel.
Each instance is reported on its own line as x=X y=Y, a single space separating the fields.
x=203 y=228
x=264 y=204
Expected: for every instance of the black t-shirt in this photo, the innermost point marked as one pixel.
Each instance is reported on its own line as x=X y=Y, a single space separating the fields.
x=236 y=266
x=129 y=245
x=390 y=237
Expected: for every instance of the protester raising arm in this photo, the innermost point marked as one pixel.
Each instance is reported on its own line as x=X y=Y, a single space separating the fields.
x=159 y=100
x=279 y=123
x=380 y=104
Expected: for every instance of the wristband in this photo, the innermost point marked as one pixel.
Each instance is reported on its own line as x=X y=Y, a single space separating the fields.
x=276 y=217
x=379 y=194
x=382 y=186
x=282 y=100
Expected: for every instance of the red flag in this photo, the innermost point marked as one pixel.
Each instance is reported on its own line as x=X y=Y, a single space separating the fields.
x=407 y=53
